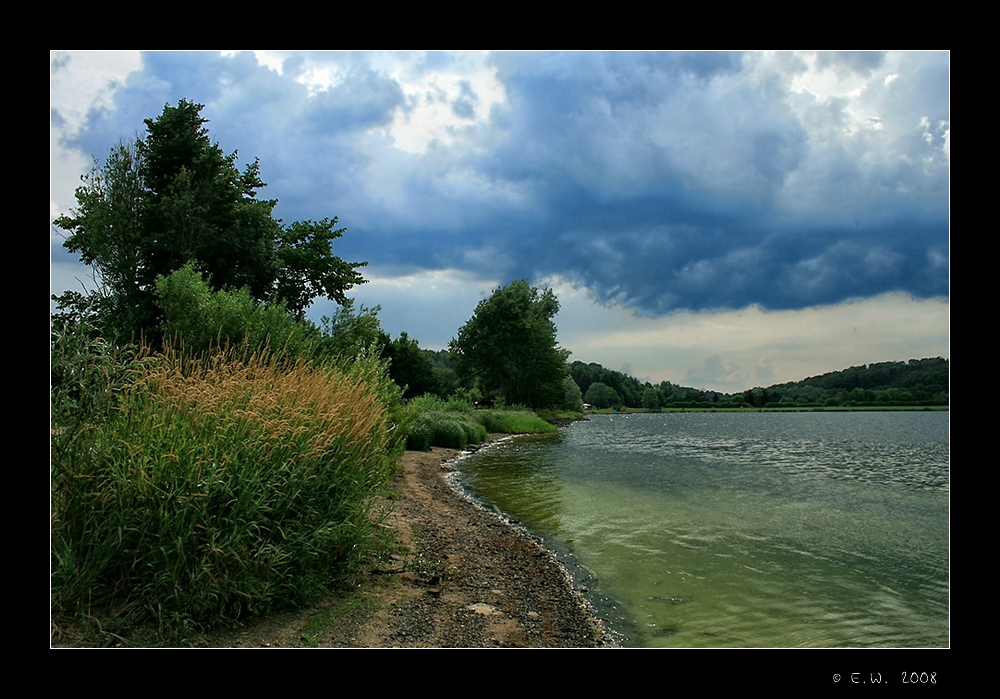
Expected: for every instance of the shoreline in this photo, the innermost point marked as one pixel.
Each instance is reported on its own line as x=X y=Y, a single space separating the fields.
x=574 y=582
x=461 y=576
x=529 y=586
x=577 y=577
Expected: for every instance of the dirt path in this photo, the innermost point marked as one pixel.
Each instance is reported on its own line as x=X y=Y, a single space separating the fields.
x=462 y=578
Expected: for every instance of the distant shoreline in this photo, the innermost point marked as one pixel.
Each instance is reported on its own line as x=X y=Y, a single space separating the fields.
x=790 y=409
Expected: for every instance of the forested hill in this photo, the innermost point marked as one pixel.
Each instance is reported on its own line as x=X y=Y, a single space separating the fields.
x=917 y=382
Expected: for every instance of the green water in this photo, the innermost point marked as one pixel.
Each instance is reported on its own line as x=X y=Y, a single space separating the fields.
x=743 y=530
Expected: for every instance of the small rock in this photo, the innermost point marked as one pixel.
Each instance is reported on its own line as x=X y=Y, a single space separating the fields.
x=484 y=609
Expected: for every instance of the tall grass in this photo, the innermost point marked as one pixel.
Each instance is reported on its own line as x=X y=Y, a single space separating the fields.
x=218 y=489
x=514 y=422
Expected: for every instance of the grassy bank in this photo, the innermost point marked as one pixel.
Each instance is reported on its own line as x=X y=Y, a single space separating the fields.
x=217 y=489
x=189 y=494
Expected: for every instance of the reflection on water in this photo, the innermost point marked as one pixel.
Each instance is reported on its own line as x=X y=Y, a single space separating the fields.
x=749 y=529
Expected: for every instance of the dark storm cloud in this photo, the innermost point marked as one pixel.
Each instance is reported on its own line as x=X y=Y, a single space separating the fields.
x=666 y=184
x=664 y=180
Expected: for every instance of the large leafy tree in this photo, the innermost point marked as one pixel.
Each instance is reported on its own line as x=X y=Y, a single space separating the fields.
x=175 y=198
x=200 y=208
x=307 y=268
x=509 y=347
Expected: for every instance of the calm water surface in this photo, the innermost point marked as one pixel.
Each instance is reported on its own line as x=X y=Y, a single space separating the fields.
x=743 y=529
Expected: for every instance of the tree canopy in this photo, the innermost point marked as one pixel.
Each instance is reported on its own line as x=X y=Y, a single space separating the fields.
x=509 y=347
x=600 y=395
x=411 y=368
x=175 y=198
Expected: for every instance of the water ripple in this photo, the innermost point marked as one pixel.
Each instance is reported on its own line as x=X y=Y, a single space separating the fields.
x=776 y=530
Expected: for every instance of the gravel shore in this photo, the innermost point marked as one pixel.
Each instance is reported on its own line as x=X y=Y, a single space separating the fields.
x=461 y=578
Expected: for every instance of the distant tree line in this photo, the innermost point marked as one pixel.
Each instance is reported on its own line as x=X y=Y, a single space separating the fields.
x=605 y=388
x=917 y=382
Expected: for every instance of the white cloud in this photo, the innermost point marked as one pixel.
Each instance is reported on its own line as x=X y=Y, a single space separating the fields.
x=446 y=104
x=447 y=95
x=82 y=80
x=79 y=81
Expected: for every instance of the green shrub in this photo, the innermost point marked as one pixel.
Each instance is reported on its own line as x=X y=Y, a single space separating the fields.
x=445 y=428
x=420 y=437
x=475 y=432
x=455 y=424
x=449 y=432
x=459 y=405
x=426 y=403
x=200 y=319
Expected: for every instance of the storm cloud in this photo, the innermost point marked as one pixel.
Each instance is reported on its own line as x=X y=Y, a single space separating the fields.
x=665 y=181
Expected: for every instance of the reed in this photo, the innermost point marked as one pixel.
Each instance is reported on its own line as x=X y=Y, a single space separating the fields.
x=220 y=488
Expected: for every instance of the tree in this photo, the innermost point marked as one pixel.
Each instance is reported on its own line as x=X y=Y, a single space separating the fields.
x=651 y=399
x=350 y=332
x=444 y=370
x=107 y=232
x=307 y=267
x=410 y=368
x=572 y=398
x=174 y=198
x=600 y=395
x=509 y=346
x=199 y=207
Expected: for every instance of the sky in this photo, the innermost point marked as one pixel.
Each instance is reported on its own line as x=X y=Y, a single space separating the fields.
x=721 y=220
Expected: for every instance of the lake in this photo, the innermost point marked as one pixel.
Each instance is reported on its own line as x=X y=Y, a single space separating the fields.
x=723 y=530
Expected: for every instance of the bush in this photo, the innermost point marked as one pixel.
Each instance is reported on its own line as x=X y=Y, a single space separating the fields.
x=456 y=423
x=200 y=319
x=87 y=373
x=426 y=403
x=421 y=437
x=445 y=428
x=218 y=489
x=513 y=422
